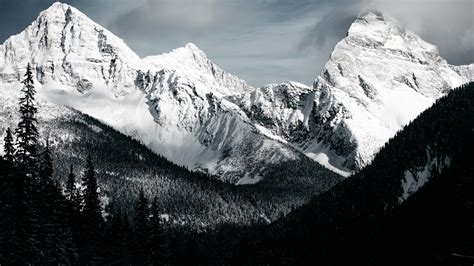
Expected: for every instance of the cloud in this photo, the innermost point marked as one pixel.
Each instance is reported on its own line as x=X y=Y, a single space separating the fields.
x=449 y=24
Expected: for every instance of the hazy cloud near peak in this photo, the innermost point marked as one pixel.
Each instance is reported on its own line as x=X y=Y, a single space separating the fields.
x=261 y=41
x=449 y=24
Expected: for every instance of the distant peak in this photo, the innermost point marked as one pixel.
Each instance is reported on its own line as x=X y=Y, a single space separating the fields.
x=190 y=49
x=371 y=14
x=376 y=25
x=58 y=9
x=298 y=84
x=57 y=6
x=192 y=46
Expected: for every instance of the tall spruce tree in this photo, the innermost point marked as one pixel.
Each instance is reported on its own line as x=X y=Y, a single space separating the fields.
x=9 y=147
x=91 y=213
x=71 y=185
x=155 y=234
x=142 y=213
x=91 y=209
x=141 y=225
x=26 y=132
x=46 y=166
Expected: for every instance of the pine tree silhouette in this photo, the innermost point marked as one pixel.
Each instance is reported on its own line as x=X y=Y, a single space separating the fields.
x=46 y=166
x=91 y=209
x=141 y=225
x=9 y=147
x=155 y=234
x=71 y=185
x=26 y=132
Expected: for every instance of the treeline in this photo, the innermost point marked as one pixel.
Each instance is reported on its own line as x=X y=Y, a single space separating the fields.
x=124 y=166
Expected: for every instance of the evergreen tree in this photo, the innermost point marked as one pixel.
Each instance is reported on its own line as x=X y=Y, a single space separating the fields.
x=142 y=213
x=9 y=147
x=91 y=214
x=46 y=166
x=26 y=132
x=141 y=225
x=155 y=234
x=91 y=209
x=71 y=185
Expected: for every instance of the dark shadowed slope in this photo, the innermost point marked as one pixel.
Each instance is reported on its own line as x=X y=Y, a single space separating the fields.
x=366 y=218
x=412 y=205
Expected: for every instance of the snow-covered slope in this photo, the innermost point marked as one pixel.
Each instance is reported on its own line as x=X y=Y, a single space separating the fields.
x=66 y=46
x=192 y=63
x=174 y=103
x=216 y=134
x=378 y=78
x=286 y=112
x=284 y=108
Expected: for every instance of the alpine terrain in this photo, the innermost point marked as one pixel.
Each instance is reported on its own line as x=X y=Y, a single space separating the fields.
x=173 y=103
x=378 y=79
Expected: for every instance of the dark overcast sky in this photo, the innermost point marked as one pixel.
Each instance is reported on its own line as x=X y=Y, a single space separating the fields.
x=261 y=41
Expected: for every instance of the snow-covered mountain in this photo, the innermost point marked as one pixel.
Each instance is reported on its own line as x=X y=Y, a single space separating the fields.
x=174 y=103
x=185 y=107
x=378 y=78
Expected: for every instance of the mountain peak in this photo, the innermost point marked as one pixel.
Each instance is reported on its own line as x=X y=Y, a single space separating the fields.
x=192 y=47
x=370 y=15
x=59 y=10
x=378 y=66
x=191 y=63
x=58 y=6
x=62 y=40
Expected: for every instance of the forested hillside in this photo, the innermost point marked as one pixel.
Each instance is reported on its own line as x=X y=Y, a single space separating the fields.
x=365 y=220
x=413 y=205
x=73 y=161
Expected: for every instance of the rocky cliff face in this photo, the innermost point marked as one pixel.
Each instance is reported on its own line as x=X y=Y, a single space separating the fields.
x=65 y=46
x=378 y=78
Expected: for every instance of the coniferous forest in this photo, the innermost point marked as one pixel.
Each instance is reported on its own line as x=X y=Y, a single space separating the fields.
x=364 y=221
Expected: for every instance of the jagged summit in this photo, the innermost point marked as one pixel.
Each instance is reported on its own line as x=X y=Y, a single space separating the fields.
x=65 y=46
x=378 y=78
x=192 y=63
x=376 y=30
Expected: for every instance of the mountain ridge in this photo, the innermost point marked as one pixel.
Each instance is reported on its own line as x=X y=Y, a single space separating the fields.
x=174 y=103
x=341 y=121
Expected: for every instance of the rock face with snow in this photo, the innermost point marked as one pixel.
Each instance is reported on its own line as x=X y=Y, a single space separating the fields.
x=197 y=127
x=191 y=63
x=378 y=78
x=279 y=110
x=65 y=46
x=174 y=103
